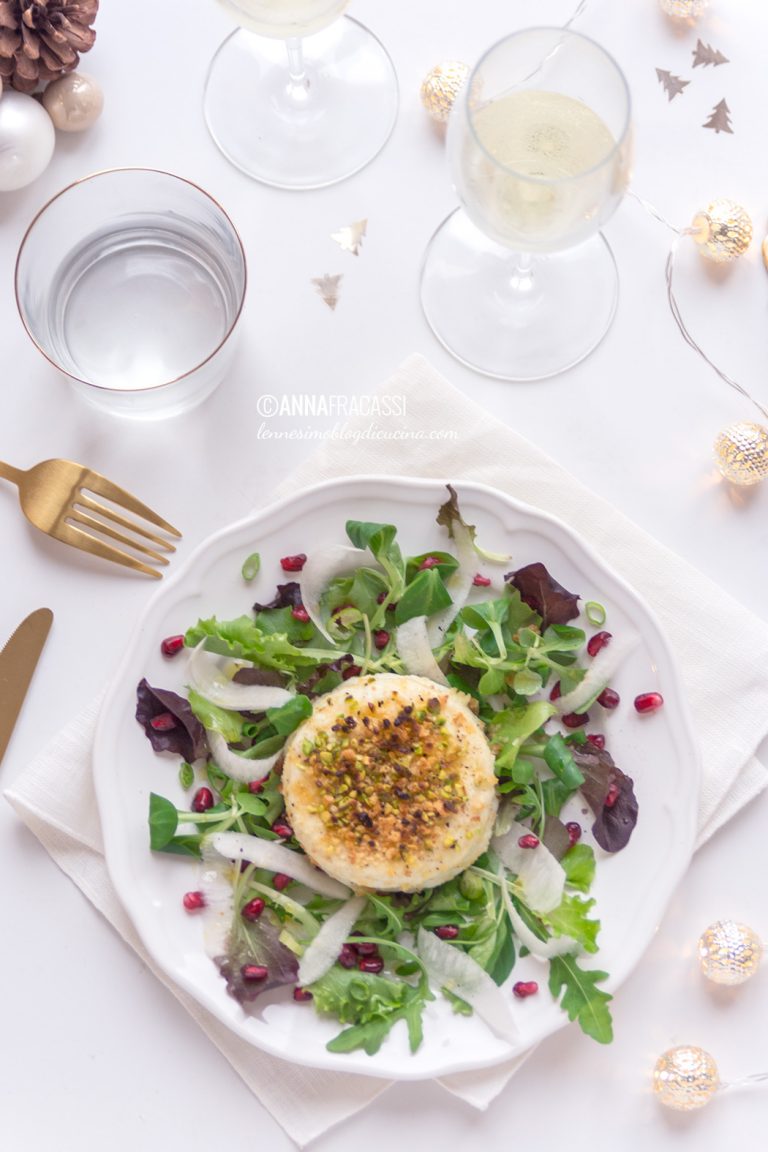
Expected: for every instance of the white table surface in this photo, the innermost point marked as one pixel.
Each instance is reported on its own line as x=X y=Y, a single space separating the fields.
x=94 y=1053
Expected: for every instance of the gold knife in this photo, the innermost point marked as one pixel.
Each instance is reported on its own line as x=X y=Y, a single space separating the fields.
x=18 y=661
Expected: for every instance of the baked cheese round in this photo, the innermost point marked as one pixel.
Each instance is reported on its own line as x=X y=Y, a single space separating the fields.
x=390 y=784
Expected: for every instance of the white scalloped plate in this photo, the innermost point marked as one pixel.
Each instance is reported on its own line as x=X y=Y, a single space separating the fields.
x=659 y=752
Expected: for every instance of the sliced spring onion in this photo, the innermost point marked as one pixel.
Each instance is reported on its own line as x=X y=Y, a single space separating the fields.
x=412 y=640
x=448 y=967
x=239 y=767
x=251 y=566
x=321 y=568
x=594 y=612
x=598 y=676
x=541 y=949
x=207 y=677
x=276 y=858
x=324 y=949
x=541 y=876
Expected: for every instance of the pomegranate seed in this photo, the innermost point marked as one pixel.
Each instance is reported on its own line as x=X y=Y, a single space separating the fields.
x=293 y=563
x=193 y=900
x=525 y=988
x=611 y=796
x=381 y=597
x=300 y=613
x=253 y=909
x=163 y=722
x=574 y=831
x=352 y=670
x=280 y=881
x=202 y=800
x=609 y=699
x=597 y=739
x=575 y=719
x=363 y=948
x=429 y=562
x=392 y=607
x=598 y=641
x=555 y=693
x=648 y=702
x=381 y=639
x=370 y=964
x=302 y=995
x=447 y=931
x=481 y=581
x=283 y=830
x=347 y=957
x=529 y=841
x=254 y=972
x=256 y=786
x=171 y=645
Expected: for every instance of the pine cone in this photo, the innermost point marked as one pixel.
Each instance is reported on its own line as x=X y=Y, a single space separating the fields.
x=42 y=39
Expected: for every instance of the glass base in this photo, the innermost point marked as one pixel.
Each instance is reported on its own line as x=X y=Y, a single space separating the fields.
x=510 y=321
x=304 y=134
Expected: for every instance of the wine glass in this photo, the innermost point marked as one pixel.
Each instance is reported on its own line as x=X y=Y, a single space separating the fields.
x=519 y=283
x=299 y=96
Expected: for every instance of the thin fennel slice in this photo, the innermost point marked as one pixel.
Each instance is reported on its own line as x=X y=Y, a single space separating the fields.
x=323 y=952
x=458 y=584
x=321 y=568
x=541 y=949
x=219 y=907
x=598 y=675
x=412 y=640
x=541 y=876
x=236 y=766
x=206 y=674
x=276 y=858
x=448 y=967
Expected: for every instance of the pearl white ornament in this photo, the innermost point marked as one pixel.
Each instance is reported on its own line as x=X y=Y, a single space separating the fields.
x=74 y=102
x=27 y=139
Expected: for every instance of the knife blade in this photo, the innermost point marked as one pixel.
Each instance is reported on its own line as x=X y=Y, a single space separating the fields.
x=18 y=661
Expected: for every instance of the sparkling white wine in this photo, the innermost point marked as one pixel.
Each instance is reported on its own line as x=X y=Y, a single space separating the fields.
x=535 y=168
x=284 y=18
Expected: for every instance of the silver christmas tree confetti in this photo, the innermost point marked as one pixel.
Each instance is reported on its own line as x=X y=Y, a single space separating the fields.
x=328 y=287
x=705 y=54
x=350 y=237
x=720 y=119
x=673 y=85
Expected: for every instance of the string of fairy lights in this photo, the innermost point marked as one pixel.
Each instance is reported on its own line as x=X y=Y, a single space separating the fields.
x=686 y=1077
x=722 y=231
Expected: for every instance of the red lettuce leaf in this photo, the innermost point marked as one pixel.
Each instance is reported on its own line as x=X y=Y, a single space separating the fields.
x=287 y=596
x=186 y=739
x=542 y=593
x=257 y=943
x=614 y=822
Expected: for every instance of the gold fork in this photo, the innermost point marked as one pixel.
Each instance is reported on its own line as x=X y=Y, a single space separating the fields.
x=58 y=496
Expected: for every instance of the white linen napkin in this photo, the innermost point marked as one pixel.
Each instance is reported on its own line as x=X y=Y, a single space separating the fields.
x=731 y=717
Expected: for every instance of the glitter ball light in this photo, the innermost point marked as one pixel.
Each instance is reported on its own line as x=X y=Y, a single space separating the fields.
x=723 y=231
x=440 y=88
x=741 y=453
x=685 y=1078
x=729 y=953
x=684 y=9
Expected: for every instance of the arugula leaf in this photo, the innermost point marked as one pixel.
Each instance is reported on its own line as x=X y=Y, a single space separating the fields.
x=570 y=918
x=371 y=1004
x=582 y=1000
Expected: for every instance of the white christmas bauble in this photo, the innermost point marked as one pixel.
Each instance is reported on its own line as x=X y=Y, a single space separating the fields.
x=27 y=140
x=73 y=102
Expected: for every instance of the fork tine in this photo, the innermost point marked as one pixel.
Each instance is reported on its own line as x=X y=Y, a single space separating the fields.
x=110 y=514
x=95 y=525
x=103 y=487
x=83 y=540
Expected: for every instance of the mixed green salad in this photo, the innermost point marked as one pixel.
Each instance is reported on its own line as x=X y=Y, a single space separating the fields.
x=536 y=669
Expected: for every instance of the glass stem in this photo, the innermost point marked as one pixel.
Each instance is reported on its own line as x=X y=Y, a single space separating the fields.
x=522 y=278
x=296 y=68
